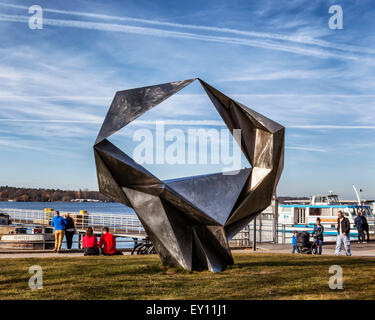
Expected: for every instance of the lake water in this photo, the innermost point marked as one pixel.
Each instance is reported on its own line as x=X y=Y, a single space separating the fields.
x=90 y=207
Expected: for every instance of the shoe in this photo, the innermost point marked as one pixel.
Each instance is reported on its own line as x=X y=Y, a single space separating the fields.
x=364 y=242
x=359 y=241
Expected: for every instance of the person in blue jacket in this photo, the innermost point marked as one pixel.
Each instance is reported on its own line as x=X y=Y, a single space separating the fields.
x=59 y=224
x=294 y=241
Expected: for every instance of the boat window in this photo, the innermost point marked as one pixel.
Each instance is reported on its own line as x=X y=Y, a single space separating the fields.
x=286 y=209
x=315 y=212
x=326 y=211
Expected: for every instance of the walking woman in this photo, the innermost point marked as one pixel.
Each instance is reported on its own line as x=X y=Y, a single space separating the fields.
x=90 y=243
x=70 y=230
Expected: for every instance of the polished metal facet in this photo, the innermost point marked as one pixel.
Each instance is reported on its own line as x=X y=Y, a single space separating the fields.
x=190 y=220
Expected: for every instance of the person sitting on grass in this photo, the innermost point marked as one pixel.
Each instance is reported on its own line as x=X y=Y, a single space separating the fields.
x=107 y=243
x=90 y=243
x=294 y=241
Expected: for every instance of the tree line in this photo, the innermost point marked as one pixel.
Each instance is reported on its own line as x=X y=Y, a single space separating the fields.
x=45 y=195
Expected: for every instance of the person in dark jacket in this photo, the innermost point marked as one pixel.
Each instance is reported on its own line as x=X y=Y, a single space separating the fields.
x=318 y=234
x=365 y=229
x=358 y=223
x=70 y=230
x=343 y=230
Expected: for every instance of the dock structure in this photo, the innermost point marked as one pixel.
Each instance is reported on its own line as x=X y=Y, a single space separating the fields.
x=127 y=226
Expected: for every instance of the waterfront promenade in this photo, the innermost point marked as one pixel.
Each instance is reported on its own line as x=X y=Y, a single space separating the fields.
x=358 y=250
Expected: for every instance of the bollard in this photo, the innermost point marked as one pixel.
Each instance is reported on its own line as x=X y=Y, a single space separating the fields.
x=48 y=216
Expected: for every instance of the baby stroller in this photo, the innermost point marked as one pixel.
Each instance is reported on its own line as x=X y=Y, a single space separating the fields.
x=304 y=245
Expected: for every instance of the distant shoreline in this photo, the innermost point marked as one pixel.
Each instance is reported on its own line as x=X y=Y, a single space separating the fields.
x=19 y=194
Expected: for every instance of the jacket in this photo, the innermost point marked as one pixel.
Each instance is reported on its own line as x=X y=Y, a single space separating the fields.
x=345 y=224
x=365 y=223
x=294 y=240
x=358 y=222
x=69 y=223
x=58 y=223
x=108 y=241
x=318 y=231
x=89 y=242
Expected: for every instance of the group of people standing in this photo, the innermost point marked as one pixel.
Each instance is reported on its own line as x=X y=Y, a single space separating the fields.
x=65 y=226
x=343 y=231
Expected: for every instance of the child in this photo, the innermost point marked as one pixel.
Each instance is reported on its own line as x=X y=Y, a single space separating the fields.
x=294 y=241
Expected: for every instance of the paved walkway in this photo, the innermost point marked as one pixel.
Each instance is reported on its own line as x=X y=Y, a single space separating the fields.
x=44 y=254
x=361 y=250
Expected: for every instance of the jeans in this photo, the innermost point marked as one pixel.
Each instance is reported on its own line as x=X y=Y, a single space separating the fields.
x=365 y=231
x=59 y=236
x=343 y=239
x=91 y=251
x=293 y=248
x=361 y=236
x=320 y=244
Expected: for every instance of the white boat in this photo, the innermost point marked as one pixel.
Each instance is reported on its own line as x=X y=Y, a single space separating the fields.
x=301 y=215
x=18 y=238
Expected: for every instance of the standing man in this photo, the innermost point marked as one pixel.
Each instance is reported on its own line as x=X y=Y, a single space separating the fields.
x=70 y=230
x=358 y=222
x=59 y=224
x=365 y=228
x=343 y=230
x=318 y=234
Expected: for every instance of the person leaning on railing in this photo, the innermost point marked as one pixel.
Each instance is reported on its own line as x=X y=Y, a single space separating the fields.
x=69 y=230
x=59 y=224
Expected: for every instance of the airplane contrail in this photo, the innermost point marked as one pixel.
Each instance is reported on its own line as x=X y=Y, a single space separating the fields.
x=181 y=35
x=301 y=39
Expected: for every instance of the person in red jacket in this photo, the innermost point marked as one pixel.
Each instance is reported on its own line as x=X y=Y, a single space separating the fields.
x=90 y=243
x=107 y=243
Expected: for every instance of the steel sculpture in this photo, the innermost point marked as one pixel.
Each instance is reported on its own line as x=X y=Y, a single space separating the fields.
x=190 y=220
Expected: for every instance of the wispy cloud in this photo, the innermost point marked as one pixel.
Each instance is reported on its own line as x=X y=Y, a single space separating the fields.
x=307 y=148
x=262 y=43
x=299 y=39
x=334 y=127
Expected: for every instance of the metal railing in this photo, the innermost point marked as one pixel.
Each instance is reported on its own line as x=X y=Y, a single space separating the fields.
x=118 y=224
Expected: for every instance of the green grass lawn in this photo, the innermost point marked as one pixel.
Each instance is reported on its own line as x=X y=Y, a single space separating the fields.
x=254 y=276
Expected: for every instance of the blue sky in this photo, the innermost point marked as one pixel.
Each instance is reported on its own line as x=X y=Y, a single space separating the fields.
x=56 y=84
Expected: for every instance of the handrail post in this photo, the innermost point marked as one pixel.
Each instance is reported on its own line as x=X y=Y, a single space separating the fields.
x=255 y=234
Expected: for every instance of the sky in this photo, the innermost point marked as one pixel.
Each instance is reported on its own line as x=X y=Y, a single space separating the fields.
x=57 y=83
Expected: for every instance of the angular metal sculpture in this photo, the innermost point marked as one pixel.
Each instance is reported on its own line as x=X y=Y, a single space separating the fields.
x=191 y=220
